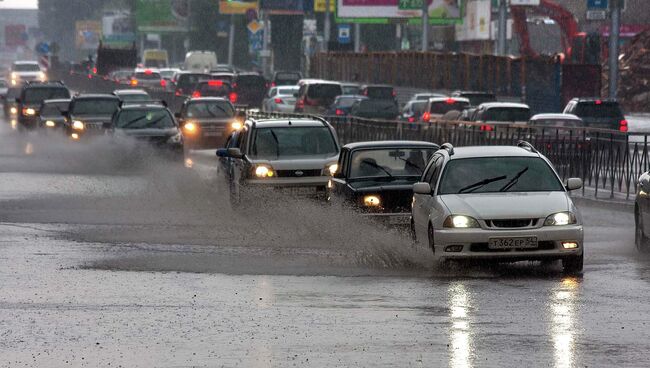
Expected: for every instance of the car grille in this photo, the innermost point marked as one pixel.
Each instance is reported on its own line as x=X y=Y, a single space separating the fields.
x=298 y=173
x=94 y=126
x=511 y=223
x=213 y=127
x=483 y=247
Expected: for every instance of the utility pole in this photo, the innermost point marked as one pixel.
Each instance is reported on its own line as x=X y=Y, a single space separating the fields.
x=425 y=25
x=327 y=26
x=614 y=34
x=357 y=37
x=231 y=40
x=502 y=28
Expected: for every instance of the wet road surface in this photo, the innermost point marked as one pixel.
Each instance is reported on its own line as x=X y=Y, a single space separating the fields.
x=139 y=263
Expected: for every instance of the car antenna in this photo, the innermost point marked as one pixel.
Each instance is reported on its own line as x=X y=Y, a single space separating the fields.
x=289 y=119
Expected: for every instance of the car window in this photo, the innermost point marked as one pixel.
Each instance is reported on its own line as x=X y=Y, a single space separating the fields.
x=602 y=110
x=324 y=91
x=186 y=81
x=210 y=109
x=272 y=143
x=26 y=67
x=430 y=170
x=95 y=106
x=443 y=107
x=144 y=119
x=135 y=97
x=38 y=95
x=287 y=91
x=383 y=93
x=513 y=174
x=506 y=114
x=389 y=162
x=54 y=109
x=214 y=89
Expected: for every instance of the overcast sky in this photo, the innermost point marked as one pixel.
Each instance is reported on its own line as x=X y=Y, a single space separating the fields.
x=19 y=4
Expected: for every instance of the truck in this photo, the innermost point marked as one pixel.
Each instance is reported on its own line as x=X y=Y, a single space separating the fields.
x=155 y=58
x=110 y=59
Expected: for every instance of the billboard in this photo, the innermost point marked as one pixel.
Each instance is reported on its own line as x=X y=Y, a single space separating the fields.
x=88 y=34
x=117 y=29
x=159 y=16
x=15 y=35
x=238 y=7
x=286 y=7
x=383 y=11
x=476 y=23
x=319 y=6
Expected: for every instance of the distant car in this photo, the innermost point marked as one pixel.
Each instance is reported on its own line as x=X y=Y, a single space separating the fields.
x=315 y=96
x=294 y=156
x=31 y=98
x=207 y=122
x=214 y=88
x=497 y=203
x=475 y=98
x=280 y=99
x=168 y=73
x=186 y=81
x=342 y=105
x=223 y=68
x=121 y=77
x=426 y=96
x=351 y=89
x=26 y=71
x=90 y=115
x=491 y=114
x=132 y=95
x=413 y=110
x=148 y=78
x=52 y=114
x=4 y=87
x=250 y=89
x=10 y=106
x=149 y=124
x=285 y=78
x=379 y=92
x=376 y=178
x=437 y=107
x=598 y=113
x=642 y=214
x=226 y=77
x=375 y=109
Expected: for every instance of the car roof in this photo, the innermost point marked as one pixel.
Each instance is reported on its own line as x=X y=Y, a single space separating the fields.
x=474 y=93
x=56 y=100
x=285 y=123
x=141 y=105
x=444 y=99
x=130 y=92
x=489 y=105
x=29 y=62
x=91 y=96
x=491 y=151
x=318 y=81
x=555 y=117
x=49 y=84
x=594 y=99
x=376 y=86
x=207 y=99
x=362 y=97
x=381 y=144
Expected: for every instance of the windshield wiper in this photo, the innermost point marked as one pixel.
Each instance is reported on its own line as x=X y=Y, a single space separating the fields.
x=479 y=184
x=409 y=163
x=514 y=180
x=218 y=107
x=277 y=144
x=133 y=121
x=377 y=166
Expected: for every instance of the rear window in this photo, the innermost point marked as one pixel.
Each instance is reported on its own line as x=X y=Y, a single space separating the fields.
x=418 y=107
x=324 y=91
x=135 y=97
x=506 y=114
x=54 y=109
x=223 y=77
x=443 y=107
x=214 y=89
x=351 y=90
x=603 y=110
x=210 y=109
x=251 y=81
x=190 y=80
x=376 y=107
x=556 y=123
x=26 y=68
x=287 y=91
x=147 y=76
x=383 y=93
x=38 y=95
x=346 y=102
x=95 y=107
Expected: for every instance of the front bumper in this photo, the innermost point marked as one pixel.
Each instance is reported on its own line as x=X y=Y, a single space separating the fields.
x=392 y=219
x=475 y=242
x=308 y=187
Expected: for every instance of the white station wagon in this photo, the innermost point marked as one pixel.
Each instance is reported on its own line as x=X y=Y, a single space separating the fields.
x=498 y=203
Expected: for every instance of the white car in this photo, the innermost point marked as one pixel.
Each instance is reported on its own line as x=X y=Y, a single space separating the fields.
x=500 y=203
x=26 y=71
x=280 y=99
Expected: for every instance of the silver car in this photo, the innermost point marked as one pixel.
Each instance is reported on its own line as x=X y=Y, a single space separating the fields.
x=280 y=99
x=498 y=203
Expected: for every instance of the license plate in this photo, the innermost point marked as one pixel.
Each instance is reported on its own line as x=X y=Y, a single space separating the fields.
x=398 y=220
x=213 y=134
x=513 y=243
x=302 y=191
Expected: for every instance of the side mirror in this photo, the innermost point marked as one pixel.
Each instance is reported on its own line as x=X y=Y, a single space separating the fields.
x=235 y=153
x=222 y=152
x=573 y=184
x=422 y=188
x=644 y=182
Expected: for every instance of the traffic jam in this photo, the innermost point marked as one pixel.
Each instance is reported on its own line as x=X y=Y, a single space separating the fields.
x=208 y=194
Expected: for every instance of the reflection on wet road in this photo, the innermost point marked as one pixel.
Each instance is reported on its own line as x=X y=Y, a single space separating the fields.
x=108 y=258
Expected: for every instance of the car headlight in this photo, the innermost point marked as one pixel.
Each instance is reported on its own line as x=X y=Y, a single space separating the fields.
x=13 y=110
x=560 y=218
x=331 y=169
x=263 y=171
x=28 y=111
x=78 y=125
x=14 y=75
x=371 y=201
x=42 y=76
x=236 y=125
x=191 y=128
x=50 y=124
x=176 y=138
x=460 y=222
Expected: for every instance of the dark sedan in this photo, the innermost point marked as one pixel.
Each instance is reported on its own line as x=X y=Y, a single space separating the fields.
x=376 y=178
x=207 y=121
x=52 y=114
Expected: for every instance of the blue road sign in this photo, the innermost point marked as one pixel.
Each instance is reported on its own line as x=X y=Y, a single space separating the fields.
x=598 y=4
x=43 y=48
x=345 y=31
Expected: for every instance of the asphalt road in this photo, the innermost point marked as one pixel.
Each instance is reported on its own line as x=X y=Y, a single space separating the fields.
x=108 y=260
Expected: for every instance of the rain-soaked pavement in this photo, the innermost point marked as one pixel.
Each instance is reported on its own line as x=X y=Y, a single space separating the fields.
x=107 y=262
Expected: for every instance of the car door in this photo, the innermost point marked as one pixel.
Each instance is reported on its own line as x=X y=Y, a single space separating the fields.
x=419 y=210
x=239 y=165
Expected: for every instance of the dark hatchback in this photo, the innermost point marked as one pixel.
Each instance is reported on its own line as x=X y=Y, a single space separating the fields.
x=375 y=109
x=151 y=126
x=207 y=122
x=376 y=178
x=186 y=81
x=249 y=89
x=342 y=105
x=598 y=113
x=31 y=98
x=90 y=115
x=214 y=88
x=52 y=114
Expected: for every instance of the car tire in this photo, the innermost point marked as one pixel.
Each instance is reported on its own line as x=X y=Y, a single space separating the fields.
x=641 y=241
x=573 y=264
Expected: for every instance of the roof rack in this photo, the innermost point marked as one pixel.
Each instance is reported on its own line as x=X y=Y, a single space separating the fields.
x=449 y=147
x=527 y=146
x=162 y=103
x=37 y=82
x=319 y=118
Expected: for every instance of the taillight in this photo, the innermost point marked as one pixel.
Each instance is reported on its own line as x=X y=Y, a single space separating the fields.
x=232 y=97
x=339 y=112
x=394 y=93
x=411 y=119
x=486 y=128
x=90 y=76
x=273 y=84
x=196 y=94
x=134 y=82
x=426 y=117
x=622 y=127
x=450 y=101
x=300 y=104
x=94 y=70
x=179 y=92
x=163 y=83
x=278 y=100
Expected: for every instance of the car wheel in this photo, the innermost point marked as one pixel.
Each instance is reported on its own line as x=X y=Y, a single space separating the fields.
x=573 y=264
x=640 y=239
x=430 y=238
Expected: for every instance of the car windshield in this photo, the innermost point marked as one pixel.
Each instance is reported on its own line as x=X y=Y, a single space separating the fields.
x=144 y=119
x=325 y=91
x=390 y=162
x=443 y=107
x=167 y=74
x=38 y=95
x=26 y=68
x=210 y=109
x=54 y=109
x=351 y=90
x=381 y=93
x=498 y=174
x=135 y=97
x=506 y=114
x=603 y=110
x=223 y=77
x=95 y=106
x=272 y=143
